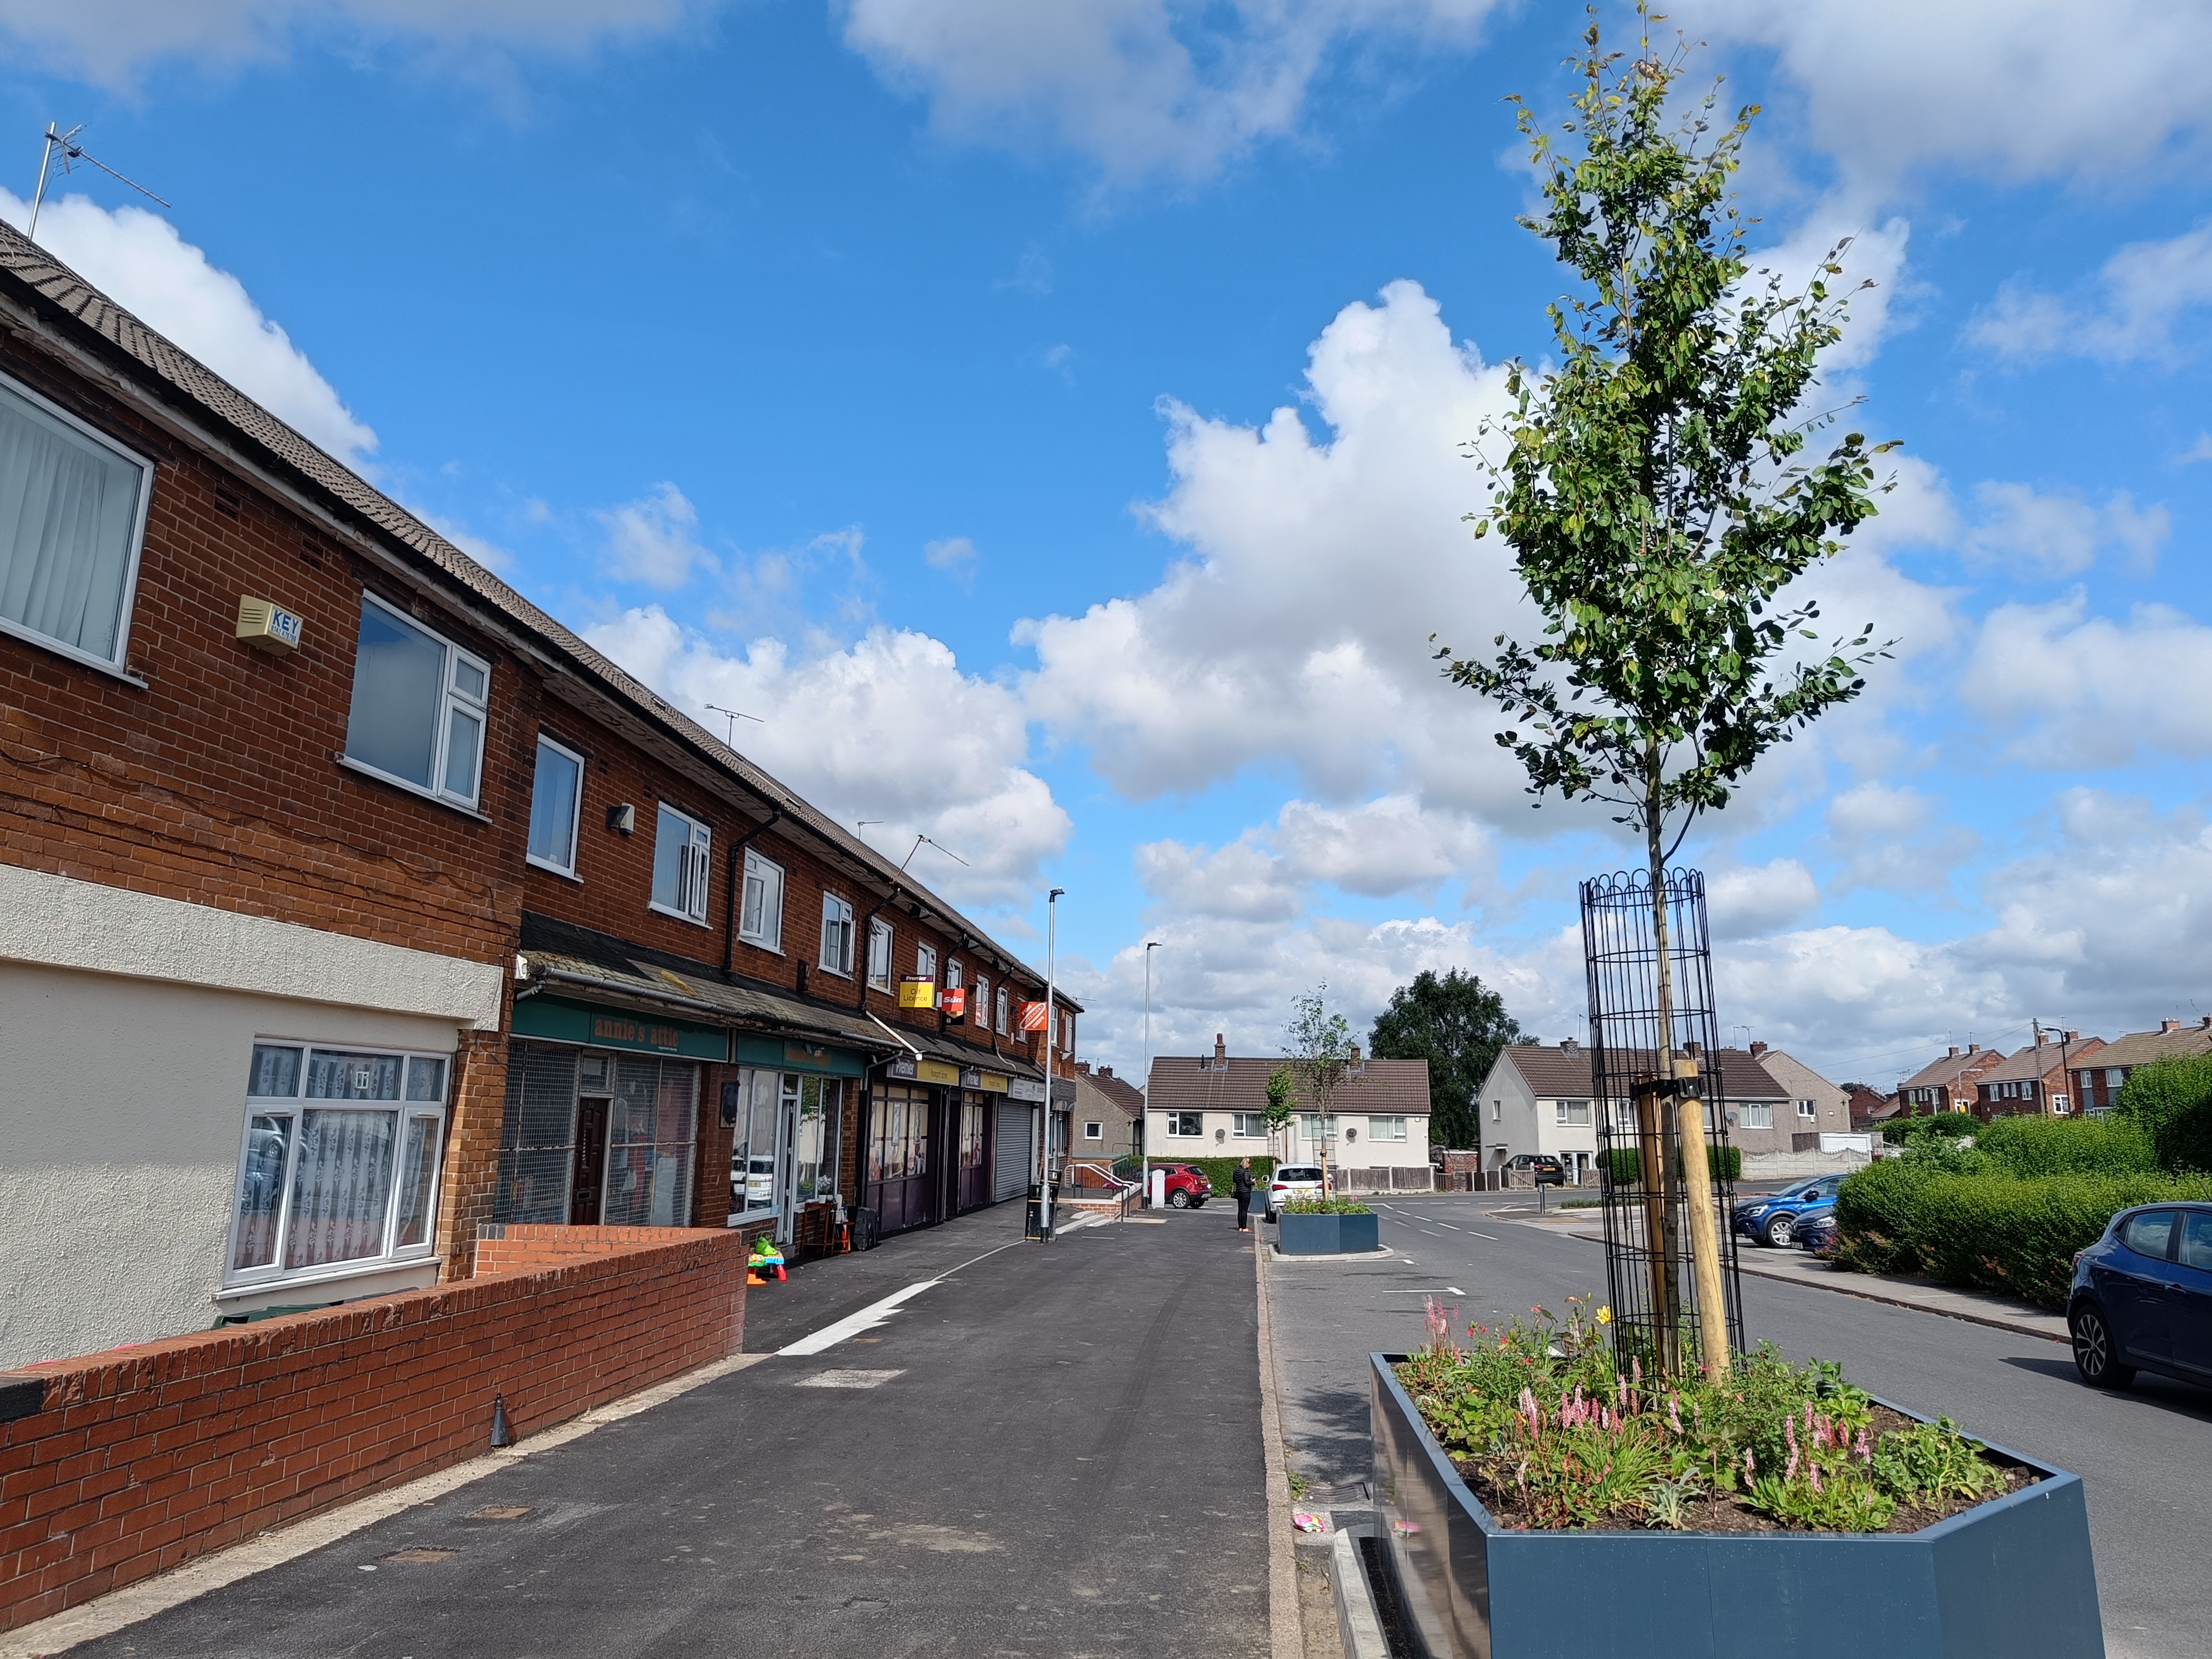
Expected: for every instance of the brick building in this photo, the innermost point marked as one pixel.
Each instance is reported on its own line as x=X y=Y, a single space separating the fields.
x=1946 y=1084
x=2098 y=1087
x=2037 y=1081
x=349 y=902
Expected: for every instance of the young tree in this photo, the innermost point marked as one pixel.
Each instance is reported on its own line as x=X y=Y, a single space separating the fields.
x=1457 y=1025
x=1658 y=496
x=1318 y=1045
x=1282 y=1105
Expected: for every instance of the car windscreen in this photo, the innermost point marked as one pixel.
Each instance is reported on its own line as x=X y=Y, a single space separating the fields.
x=1298 y=1172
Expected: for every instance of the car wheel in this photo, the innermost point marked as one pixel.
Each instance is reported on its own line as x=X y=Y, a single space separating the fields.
x=1780 y=1230
x=1178 y=1199
x=2095 y=1355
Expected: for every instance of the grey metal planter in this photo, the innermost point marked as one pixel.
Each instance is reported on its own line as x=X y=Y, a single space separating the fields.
x=2008 y=1578
x=1329 y=1235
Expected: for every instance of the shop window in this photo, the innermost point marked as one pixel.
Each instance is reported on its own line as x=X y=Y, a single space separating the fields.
x=1394 y=1128
x=651 y=1126
x=556 y=796
x=773 y=1107
x=682 y=864
x=593 y=1137
x=339 y=1170
x=70 y=539
x=972 y=1153
x=879 y=955
x=1185 y=1126
x=419 y=707
x=899 y=1146
x=837 y=935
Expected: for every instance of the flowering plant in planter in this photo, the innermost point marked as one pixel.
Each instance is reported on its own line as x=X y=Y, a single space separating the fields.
x=1323 y=1207
x=1551 y=1432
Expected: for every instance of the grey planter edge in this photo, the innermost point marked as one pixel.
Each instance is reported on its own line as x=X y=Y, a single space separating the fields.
x=1326 y=1235
x=2011 y=1576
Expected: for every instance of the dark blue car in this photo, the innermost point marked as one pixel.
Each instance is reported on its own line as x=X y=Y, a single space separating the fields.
x=1816 y=1231
x=1774 y=1220
x=2142 y=1298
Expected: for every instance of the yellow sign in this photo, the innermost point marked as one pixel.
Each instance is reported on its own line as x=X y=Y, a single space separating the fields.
x=917 y=994
x=936 y=1070
x=993 y=1083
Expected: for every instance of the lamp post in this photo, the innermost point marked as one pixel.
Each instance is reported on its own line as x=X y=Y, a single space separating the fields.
x=1145 y=1122
x=1051 y=1021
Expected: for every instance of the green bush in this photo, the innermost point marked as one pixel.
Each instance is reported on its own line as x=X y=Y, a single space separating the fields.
x=1943 y=1125
x=2030 y=1146
x=1725 y=1164
x=2171 y=1101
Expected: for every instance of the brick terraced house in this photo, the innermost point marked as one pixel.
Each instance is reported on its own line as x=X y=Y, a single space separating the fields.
x=349 y=903
x=2037 y=1081
x=2098 y=1087
x=1947 y=1084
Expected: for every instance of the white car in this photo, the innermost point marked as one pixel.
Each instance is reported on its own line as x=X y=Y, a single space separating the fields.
x=1292 y=1181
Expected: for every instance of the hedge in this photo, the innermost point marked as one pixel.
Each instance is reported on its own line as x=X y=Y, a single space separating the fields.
x=1221 y=1172
x=1942 y=1125
x=1726 y=1164
x=2171 y=1101
x=2031 y=1146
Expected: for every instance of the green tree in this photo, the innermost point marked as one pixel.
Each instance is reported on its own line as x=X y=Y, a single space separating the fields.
x=2171 y=1099
x=1318 y=1045
x=1658 y=495
x=1457 y=1024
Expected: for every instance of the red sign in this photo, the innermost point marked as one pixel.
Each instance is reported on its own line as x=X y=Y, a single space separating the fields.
x=1032 y=1016
x=952 y=1002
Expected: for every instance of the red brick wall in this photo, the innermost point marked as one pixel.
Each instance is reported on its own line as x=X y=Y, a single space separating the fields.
x=139 y=1460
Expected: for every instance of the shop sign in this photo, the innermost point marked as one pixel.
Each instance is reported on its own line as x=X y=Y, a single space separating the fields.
x=991 y=1083
x=1025 y=1088
x=600 y=1027
x=904 y=1065
x=936 y=1070
x=917 y=992
x=952 y=1002
x=780 y=1054
x=1032 y=1016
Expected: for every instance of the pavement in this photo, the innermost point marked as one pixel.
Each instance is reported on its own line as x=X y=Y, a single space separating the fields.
x=1042 y=1450
x=2145 y=1456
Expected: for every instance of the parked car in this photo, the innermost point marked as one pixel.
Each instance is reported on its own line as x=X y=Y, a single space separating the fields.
x=1774 y=1220
x=1188 y=1187
x=1548 y=1169
x=2141 y=1298
x=1815 y=1231
x=1292 y=1181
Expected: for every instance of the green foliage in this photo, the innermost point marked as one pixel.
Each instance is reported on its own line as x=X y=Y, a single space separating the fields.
x=1324 y=1206
x=1941 y=1125
x=1933 y=1461
x=1318 y=1045
x=1282 y=1097
x=1655 y=489
x=2029 y=1146
x=1723 y=1163
x=2171 y=1100
x=1458 y=1026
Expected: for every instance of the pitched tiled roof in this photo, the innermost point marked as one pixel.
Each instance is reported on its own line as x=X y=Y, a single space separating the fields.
x=184 y=381
x=2032 y=1062
x=2140 y=1048
x=1127 y=1098
x=1554 y=1072
x=1201 y=1083
x=1951 y=1067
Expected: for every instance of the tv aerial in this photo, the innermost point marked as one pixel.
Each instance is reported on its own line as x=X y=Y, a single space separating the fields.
x=66 y=146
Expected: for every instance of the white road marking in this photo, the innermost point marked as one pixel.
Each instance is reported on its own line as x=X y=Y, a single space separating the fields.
x=1493 y=1237
x=853 y=1324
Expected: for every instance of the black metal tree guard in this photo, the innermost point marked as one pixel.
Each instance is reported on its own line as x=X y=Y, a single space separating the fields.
x=1649 y=1273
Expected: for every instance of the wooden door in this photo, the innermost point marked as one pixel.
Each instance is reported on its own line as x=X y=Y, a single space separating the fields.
x=590 y=1176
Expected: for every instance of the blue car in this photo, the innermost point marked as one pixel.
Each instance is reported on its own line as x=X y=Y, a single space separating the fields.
x=1774 y=1220
x=1815 y=1231
x=2141 y=1298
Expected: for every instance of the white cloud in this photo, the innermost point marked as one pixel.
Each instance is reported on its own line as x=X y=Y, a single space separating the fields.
x=1750 y=900
x=1885 y=836
x=2032 y=535
x=112 y=42
x=2082 y=691
x=654 y=539
x=887 y=728
x=2012 y=88
x=138 y=259
x=955 y=557
x=1142 y=86
x=2142 y=291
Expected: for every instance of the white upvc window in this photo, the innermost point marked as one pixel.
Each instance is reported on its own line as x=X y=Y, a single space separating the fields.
x=952 y=980
x=1808 y=1110
x=980 y=1005
x=556 y=796
x=1067 y=1033
x=1390 y=1128
x=1185 y=1126
x=339 y=1167
x=419 y=707
x=70 y=536
x=1002 y=1011
x=1094 y=1132
x=1759 y=1117
x=1570 y=1113
x=879 y=955
x=925 y=962
x=2060 y=1106
x=1314 y=1126
x=837 y=935
x=683 y=849
x=760 y=904
x=1247 y=1126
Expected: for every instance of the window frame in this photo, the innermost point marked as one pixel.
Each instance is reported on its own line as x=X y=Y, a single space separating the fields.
x=886 y=980
x=1394 y=1131
x=1564 y=1115
x=575 y=810
x=699 y=842
x=1247 y=1126
x=449 y=693
x=238 y=1281
x=1750 y=1113
x=1004 y=1002
x=1094 y=1129
x=926 y=953
x=844 y=970
x=1171 y=1132
x=127 y=596
x=1808 y=1111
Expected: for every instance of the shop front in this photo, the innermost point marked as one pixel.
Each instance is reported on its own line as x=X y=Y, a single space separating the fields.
x=601 y=1120
x=934 y=1145
x=790 y=1109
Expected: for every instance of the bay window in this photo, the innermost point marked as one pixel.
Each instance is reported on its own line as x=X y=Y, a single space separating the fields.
x=419 y=707
x=339 y=1169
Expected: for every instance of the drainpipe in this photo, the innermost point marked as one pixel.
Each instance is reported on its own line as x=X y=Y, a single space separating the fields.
x=730 y=886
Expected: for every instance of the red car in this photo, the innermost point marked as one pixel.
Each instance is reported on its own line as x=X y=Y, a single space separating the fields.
x=1188 y=1187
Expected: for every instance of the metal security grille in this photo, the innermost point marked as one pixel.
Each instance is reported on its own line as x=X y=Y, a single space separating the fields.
x=538 y=1135
x=1649 y=1277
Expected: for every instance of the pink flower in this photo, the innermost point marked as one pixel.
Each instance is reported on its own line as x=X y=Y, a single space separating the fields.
x=1673 y=1412
x=1814 y=1470
x=1789 y=1433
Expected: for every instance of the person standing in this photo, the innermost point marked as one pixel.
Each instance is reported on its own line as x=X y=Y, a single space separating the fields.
x=1241 y=1184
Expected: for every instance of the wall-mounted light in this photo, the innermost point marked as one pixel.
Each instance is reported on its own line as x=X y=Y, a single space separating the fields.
x=622 y=819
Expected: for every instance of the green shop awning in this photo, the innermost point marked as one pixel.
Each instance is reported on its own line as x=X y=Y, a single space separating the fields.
x=561 y=1020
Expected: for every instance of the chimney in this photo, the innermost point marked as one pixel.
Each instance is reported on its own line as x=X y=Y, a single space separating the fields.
x=1568 y=1045
x=1104 y=1070
x=2165 y=1025
x=1220 y=1049
x=1955 y=1051
x=1757 y=1050
x=1355 y=1054
x=2075 y=1036
x=1971 y=1049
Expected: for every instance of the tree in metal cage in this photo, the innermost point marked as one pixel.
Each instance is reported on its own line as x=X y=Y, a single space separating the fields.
x=1658 y=497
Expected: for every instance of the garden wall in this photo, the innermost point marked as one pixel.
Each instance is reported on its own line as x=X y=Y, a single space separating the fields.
x=1801 y=1166
x=119 y=1465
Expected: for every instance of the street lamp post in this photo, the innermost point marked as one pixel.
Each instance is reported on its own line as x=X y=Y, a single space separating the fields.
x=1145 y=1122
x=1051 y=1018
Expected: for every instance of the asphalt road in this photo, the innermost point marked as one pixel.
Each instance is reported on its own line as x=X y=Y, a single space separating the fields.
x=2145 y=1457
x=1053 y=1450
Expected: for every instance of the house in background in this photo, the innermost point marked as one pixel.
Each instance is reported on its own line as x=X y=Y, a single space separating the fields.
x=1107 y=1118
x=1215 y=1106
x=2037 y=1081
x=1813 y=1114
x=1947 y=1084
x=2097 y=1087
x=1870 y=1111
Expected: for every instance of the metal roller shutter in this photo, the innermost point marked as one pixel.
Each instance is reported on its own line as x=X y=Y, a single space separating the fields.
x=1010 y=1170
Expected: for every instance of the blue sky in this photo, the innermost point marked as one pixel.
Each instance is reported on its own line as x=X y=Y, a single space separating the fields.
x=1045 y=418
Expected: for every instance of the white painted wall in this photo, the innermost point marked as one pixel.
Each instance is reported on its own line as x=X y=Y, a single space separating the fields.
x=122 y=1093
x=1218 y=1138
